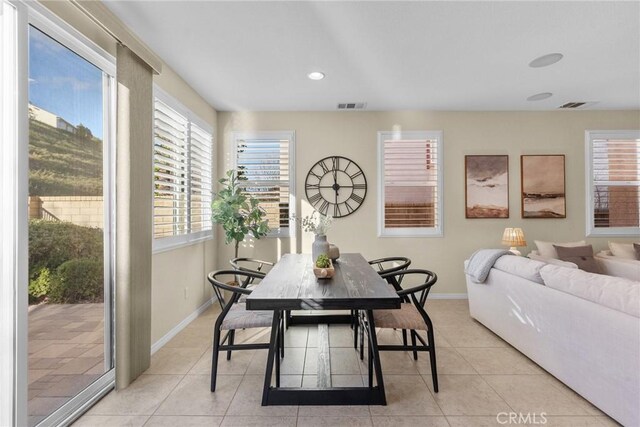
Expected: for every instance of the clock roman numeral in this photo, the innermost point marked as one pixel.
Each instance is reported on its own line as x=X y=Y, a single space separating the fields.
x=355 y=175
x=336 y=211
x=348 y=206
x=356 y=198
x=324 y=167
x=315 y=198
x=324 y=207
x=359 y=186
x=312 y=186
x=335 y=163
x=315 y=174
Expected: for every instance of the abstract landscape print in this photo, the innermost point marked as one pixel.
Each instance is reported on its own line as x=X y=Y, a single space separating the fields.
x=487 y=186
x=543 y=186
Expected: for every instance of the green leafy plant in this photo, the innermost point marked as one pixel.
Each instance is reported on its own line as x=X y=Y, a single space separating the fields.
x=78 y=281
x=323 y=261
x=237 y=211
x=316 y=223
x=39 y=287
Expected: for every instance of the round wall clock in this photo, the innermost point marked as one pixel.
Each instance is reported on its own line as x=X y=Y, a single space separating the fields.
x=336 y=186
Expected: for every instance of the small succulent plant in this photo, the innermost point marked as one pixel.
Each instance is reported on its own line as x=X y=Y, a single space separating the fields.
x=323 y=261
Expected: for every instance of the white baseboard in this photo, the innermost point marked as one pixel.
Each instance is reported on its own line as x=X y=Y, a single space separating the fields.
x=448 y=296
x=180 y=326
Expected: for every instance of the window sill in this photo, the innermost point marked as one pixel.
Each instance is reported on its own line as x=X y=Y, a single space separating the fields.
x=410 y=232
x=613 y=232
x=167 y=244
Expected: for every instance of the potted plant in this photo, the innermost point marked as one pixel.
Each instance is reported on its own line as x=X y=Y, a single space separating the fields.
x=237 y=211
x=319 y=225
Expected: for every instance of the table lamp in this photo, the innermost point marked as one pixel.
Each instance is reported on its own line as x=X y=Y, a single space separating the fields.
x=513 y=237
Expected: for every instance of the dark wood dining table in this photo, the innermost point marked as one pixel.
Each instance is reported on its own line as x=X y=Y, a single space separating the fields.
x=291 y=285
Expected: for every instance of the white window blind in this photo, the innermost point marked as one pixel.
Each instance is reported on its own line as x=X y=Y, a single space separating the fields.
x=614 y=183
x=265 y=160
x=411 y=187
x=183 y=172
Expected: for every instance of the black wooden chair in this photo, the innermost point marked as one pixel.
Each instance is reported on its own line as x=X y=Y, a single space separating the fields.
x=383 y=266
x=411 y=316
x=234 y=315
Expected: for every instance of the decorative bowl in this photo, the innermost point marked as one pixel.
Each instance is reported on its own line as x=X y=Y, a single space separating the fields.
x=324 y=273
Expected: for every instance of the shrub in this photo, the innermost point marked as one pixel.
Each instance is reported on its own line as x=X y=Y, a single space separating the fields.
x=39 y=287
x=53 y=243
x=78 y=281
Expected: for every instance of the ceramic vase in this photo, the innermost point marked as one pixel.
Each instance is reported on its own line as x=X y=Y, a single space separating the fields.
x=320 y=246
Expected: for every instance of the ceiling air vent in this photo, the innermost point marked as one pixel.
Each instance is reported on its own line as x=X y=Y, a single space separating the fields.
x=352 y=106
x=572 y=105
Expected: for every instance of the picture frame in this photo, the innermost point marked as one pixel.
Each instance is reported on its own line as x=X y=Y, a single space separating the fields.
x=543 y=186
x=486 y=186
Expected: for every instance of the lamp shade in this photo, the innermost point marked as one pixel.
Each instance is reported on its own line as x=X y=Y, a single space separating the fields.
x=513 y=237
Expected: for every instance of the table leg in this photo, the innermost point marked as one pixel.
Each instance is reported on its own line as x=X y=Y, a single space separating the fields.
x=273 y=353
x=375 y=355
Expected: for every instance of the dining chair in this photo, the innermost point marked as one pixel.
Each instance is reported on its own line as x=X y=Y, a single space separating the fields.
x=234 y=315
x=411 y=316
x=383 y=266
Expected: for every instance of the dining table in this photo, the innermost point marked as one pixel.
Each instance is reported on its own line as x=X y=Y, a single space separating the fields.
x=291 y=285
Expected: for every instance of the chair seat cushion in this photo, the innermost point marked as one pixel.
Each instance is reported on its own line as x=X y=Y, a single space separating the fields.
x=407 y=317
x=239 y=318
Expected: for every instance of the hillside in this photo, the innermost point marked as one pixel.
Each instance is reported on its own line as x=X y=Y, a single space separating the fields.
x=63 y=164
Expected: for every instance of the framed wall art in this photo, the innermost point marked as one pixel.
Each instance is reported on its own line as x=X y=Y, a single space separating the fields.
x=543 y=186
x=486 y=186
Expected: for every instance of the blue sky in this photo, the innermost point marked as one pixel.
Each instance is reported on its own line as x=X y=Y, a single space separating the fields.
x=64 y=83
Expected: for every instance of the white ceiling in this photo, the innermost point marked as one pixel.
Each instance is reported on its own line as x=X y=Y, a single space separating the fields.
x=395 y=55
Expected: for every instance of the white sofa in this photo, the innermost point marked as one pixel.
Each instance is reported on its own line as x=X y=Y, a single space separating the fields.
x=583 y=328
x=618 y=266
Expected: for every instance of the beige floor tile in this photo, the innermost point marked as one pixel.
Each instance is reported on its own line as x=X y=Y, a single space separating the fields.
x=296 y=336
x=258 y=421
x=340 y=336
x=238 y=364
x=183 y=421
x=248 y=398
x=321 y=421
x=403 y=421
x=258 y=363
x=334 y=410
x=293 y=362
x=568 y=421
x=466 y=395
x=347 y=381
x=406 y=395
x=472 y=335
x=309 y=381
x=253 y=335
x=478 y=421
x=499 y=361
x=111 y=421
x=448 y=361
x=539 y=393
x=142 y=397
x=176 y=361
x=344 y=361
x=290 y=380
x=193 y=396
x=199 y=338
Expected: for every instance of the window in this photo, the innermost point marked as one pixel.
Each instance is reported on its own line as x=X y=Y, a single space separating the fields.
x=613 y=183
x=183 y=171
x=410 y=184
x=266 y=160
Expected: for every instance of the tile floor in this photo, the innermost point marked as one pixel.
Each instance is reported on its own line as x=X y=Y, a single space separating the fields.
x=66 y=354
x=480 y=376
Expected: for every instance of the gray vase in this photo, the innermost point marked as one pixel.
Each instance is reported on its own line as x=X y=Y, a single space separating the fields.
x=320 y=246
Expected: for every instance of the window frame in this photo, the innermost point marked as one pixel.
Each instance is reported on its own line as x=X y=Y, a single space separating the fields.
x=591 y=230
x=167 y=243
x=438 y=230
x=290 y=135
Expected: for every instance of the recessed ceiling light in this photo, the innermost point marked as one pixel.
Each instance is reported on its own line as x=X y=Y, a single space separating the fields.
x=316 y=75
x=546 y=60
x=540 y=96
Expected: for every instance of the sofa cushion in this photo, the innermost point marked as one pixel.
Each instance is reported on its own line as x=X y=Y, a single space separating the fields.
x=520 y=266
x=582 y=256
x=613 y=292
x=535 y=256
x=622 y=250
x=546 y=249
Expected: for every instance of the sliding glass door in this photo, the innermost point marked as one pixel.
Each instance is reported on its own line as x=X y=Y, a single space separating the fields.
x=70 y=221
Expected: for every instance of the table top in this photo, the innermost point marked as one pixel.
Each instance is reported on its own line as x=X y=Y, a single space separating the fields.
x=291 y=285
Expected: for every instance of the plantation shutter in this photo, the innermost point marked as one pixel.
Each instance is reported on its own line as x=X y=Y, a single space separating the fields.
x=616 y=182
x=411 y=183
x=265 y=165
x=170 y=171
x=201 y=188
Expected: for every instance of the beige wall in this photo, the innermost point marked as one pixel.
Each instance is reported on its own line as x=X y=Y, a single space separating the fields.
x=175 y=270
x=354 y=135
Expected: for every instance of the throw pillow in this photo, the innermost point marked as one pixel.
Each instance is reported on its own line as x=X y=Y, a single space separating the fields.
x=636 y=247
x=546 y=249
x=622 y=250
x=582 y=256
